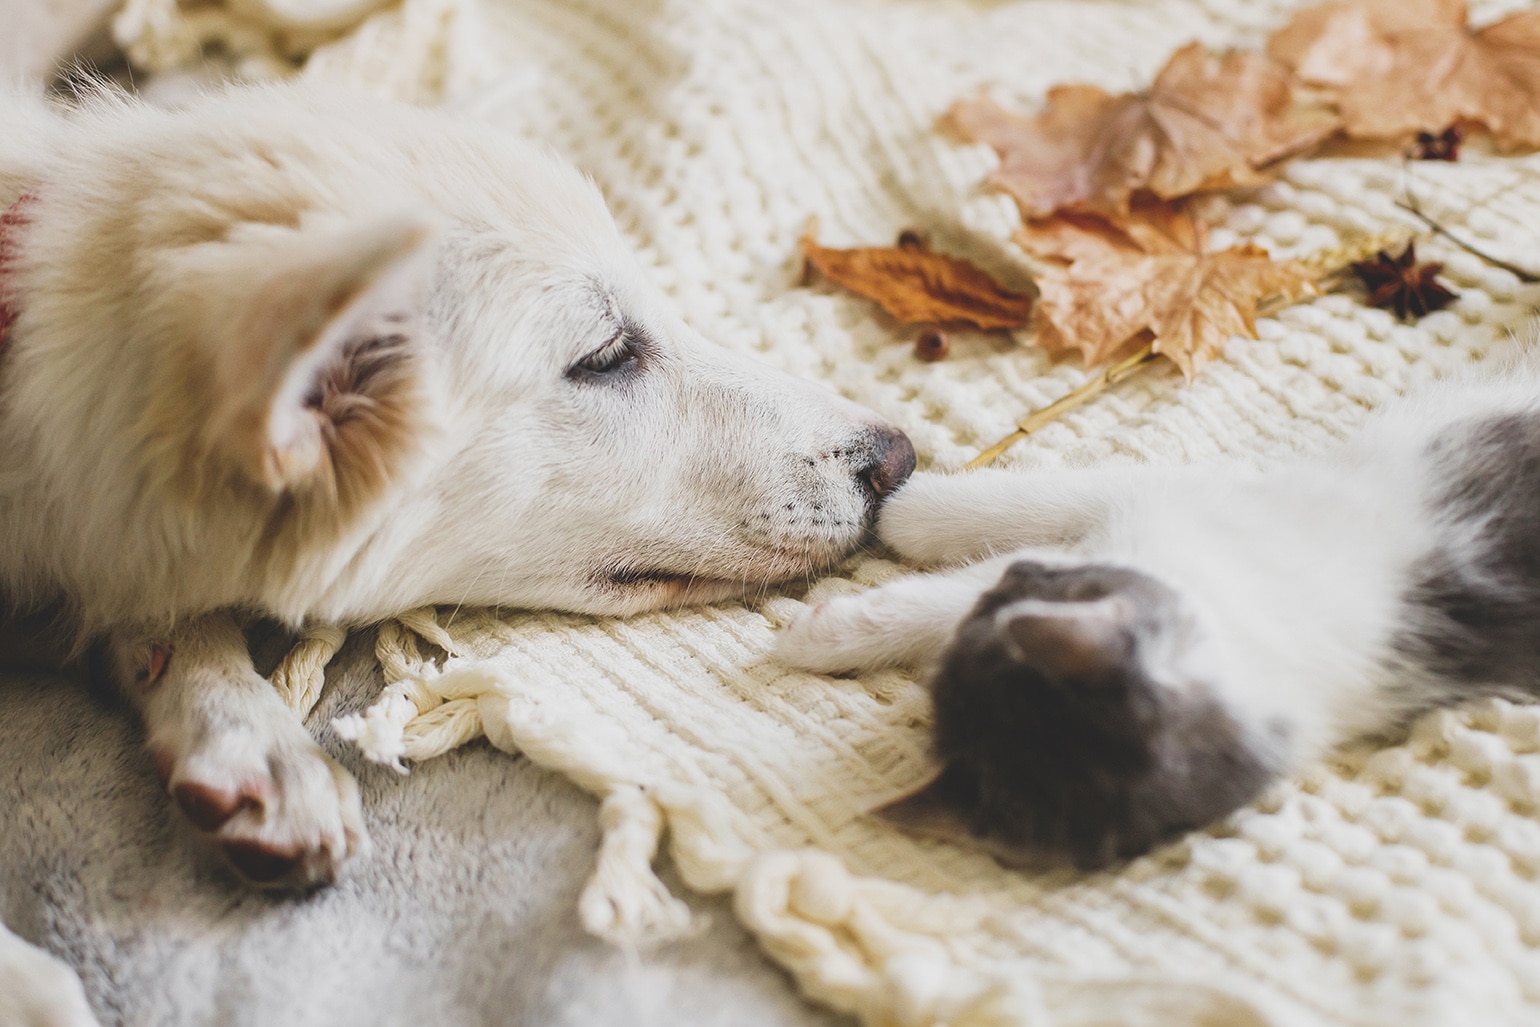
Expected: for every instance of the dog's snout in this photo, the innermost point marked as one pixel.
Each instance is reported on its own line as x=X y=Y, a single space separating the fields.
x=890 y=463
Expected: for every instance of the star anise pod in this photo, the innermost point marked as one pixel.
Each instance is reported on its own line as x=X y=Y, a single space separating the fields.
x=1444 y=145
x=1404 y=285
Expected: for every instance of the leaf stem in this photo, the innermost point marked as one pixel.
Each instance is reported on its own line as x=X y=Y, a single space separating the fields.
x=1094 y=386
x=1328 y=266
x=1416 y=211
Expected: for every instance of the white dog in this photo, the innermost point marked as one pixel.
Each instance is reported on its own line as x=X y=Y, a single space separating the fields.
x=328 y=359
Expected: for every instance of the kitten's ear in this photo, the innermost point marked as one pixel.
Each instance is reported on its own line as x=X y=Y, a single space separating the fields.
x=942 y=807
x=1079 y=640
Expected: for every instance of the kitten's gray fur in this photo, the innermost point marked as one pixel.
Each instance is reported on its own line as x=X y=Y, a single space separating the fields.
x=1472 y=618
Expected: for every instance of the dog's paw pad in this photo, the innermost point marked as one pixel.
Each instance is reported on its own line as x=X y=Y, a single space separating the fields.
x=284 y=815
x=210 y=808
x=261 y=864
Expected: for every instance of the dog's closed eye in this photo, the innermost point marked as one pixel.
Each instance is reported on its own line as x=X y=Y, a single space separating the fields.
x=621 y=354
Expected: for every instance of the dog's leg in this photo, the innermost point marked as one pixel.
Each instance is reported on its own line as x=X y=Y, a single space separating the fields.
x=908 y=621
x=236 y=760
x=37 y=989
x=956 y=518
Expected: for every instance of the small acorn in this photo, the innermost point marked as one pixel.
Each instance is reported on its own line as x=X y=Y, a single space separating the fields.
x=932 y=346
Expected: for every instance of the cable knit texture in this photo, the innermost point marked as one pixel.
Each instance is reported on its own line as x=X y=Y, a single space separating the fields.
x=1400 y=885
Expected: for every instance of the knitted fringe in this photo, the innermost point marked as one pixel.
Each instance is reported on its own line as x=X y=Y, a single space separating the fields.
x=875 y=947
x=421 y=51
x=301 y=675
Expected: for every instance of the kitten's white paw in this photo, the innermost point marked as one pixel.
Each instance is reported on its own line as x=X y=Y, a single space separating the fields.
x=917 y=522
x=822 y=639
x=905 y=622
x=936 y=519
x=37 y=989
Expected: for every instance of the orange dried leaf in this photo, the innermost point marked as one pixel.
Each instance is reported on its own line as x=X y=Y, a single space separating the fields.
x=1396 y=67
x=1206 y=123
x=1104 y=290
x=916 y=285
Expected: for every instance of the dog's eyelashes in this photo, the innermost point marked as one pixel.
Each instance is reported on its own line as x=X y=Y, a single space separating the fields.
x=616 y=355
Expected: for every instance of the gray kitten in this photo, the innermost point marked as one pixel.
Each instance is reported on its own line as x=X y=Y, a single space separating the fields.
x=1169 y=641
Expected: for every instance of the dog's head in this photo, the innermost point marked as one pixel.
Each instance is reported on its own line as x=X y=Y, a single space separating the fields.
x=335 y=358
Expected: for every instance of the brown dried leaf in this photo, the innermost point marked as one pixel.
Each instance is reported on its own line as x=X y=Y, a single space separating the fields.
x=916 y=285
x=1396 y=67
x=1206 y=123
x=1104 y=290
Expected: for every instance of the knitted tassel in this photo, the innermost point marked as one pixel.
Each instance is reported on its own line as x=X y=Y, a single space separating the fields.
x=301 y=675
x=624 y=902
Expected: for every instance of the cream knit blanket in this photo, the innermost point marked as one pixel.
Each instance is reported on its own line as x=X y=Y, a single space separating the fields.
x=1398 y=886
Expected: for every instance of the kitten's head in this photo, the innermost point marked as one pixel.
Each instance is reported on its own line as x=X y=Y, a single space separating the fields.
x=1072 y=717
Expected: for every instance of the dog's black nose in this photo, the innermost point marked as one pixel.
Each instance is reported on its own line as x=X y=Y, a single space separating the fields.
x=890 y=464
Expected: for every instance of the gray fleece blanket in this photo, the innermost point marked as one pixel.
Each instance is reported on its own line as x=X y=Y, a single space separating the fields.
x=463 y=913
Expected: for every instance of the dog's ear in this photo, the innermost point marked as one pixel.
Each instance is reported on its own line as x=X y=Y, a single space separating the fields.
x=304 y=346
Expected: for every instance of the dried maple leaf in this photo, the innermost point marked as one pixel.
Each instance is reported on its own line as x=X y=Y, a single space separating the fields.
x=917 y=285
x=1206 y=123
x=1395 y=67
x=1105 y=289
x=1411 y=289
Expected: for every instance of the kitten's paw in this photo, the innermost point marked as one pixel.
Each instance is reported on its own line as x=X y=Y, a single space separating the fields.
x=37 y=989
x=937 y=519
x=826 y=638
x=284 y=813
x=907 y=621
x=925 y=522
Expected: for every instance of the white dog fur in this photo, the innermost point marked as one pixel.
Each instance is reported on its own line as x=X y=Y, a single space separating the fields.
x=321 y=358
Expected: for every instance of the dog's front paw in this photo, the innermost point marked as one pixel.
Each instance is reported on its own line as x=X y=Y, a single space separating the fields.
x=235 y=759
x=283 y=812
x=38 y=990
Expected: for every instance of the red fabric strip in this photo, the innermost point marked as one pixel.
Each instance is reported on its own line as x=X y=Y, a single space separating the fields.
x=14 y=218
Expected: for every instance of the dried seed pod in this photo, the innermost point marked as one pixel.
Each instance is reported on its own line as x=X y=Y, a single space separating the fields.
x=1404 y=284
x=1441 y=146
x=932 y=346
